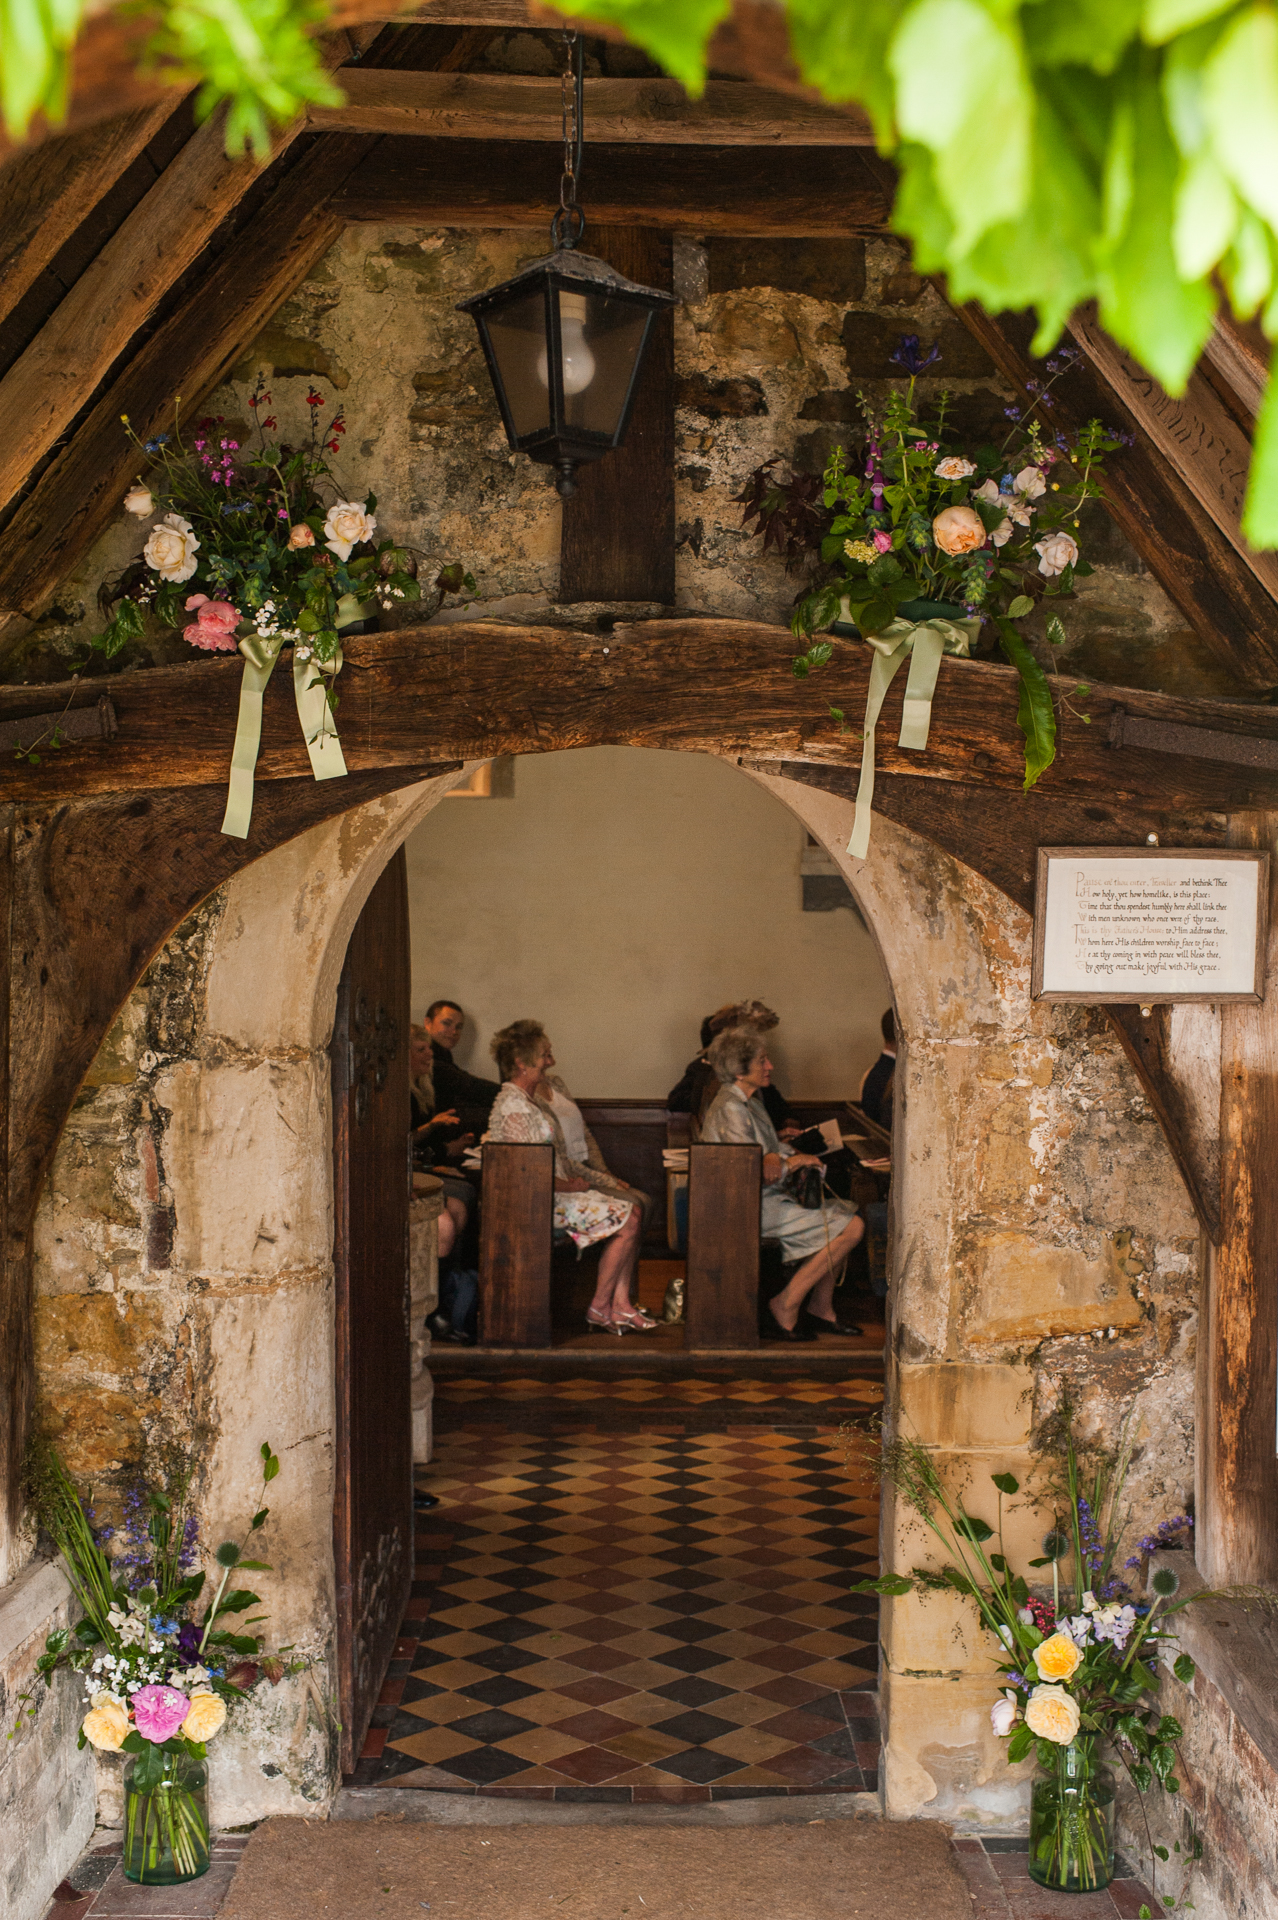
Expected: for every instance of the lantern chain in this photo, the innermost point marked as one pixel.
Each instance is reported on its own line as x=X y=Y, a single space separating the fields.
x=569 y=222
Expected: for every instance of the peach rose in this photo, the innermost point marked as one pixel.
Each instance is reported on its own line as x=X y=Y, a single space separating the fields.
x=1057 y=1658
x=958 y=530
x=138 y=501
x=206 y=1715
x=172 y=548
x=346 y=525
x=301 y=535
x=1053 y=1714
x=107 y=1725
x=953 y=467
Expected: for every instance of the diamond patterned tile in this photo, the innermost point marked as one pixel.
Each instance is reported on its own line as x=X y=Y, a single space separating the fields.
x=656 y=1611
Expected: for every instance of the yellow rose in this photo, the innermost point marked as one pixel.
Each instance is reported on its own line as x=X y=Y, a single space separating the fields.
x=959 y=530
x=205 y=1717
x=1057 y=1658
x=1053 y=1715
x=107 y=1725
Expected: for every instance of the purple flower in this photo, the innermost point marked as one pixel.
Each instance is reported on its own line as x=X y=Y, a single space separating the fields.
x=910 y=356
x=188 y=1640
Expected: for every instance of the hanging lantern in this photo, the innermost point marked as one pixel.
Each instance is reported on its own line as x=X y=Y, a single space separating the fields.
x=565 y=339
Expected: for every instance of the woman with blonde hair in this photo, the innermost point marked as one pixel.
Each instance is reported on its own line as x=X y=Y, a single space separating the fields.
x=582 y=1210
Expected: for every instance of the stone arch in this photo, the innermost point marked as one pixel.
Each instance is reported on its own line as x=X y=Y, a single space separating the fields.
x=983 y=1273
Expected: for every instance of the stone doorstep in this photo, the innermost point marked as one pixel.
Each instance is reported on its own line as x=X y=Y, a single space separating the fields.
x=995 y=1872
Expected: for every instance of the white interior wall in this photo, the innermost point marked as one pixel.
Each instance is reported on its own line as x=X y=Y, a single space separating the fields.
x=618 y=896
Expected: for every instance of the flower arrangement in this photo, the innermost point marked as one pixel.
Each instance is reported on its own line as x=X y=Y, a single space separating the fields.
x=253 y=548
x=161 y=1669
x=1079 y=1668
x=920 y=542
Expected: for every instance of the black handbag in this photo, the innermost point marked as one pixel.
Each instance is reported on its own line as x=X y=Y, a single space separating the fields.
x=805 y=1185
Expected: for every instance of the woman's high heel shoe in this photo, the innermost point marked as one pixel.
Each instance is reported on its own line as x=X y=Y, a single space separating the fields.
x=602 y=1323
x=636 y=1321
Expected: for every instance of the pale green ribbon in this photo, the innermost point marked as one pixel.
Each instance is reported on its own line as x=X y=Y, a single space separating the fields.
x=313 y=711
x=924 y=641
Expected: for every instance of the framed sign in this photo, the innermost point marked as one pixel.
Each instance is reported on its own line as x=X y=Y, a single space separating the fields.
x=1150 y=924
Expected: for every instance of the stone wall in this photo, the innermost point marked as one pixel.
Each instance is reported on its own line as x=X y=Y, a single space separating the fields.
x=773 y=342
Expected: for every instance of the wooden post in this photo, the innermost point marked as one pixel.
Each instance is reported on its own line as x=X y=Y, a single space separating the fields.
x=618 y=540
x=1238 y=1534
x=722 y=1293
x=515 y=1245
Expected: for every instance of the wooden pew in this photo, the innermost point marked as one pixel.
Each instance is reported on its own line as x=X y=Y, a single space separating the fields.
x=721 y=1295
x=515 y=1245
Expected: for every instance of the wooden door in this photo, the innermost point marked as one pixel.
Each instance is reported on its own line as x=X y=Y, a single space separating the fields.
x=373 y=1503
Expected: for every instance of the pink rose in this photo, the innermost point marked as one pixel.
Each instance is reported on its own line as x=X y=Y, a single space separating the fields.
x=214 y=625
x=158 y=1712
x=301 y=535
x=883 y=541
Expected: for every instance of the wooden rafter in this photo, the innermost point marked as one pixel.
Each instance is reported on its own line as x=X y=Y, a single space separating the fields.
x=1198 y=568
x=690 y=190
x=493 y=106
x=470 y=690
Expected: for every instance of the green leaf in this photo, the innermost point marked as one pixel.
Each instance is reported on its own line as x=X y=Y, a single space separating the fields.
x=239 y=1601
x=887 y=1583
x=259 y=1519
x=1006 y=1482
x=1055 y=631
x=1184 y=1669
x=1086 y=33
x=1240 y=105
x=1020 y=607
x=971 y=1528
x=1035 y=715
x=1019 y=1743
x=1205 y=219
x=959 y=69
x=1144 y=303
x=271 y=1465
x=1164 y=19
x=675 y=35
x=255 y=1566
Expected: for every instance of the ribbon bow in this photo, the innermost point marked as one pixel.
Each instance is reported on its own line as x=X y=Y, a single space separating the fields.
x=924 y=641
x=313 y=711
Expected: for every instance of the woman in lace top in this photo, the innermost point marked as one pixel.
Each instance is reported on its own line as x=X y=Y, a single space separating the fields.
x=586 y=1214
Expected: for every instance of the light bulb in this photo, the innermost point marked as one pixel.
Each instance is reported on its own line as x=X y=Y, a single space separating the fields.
x=577 y=360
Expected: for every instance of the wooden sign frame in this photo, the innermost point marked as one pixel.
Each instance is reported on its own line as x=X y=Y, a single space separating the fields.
x=1109 y=996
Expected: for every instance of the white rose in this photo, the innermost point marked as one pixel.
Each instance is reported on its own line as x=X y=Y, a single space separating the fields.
x=1003 y=1715
x=1003 y=531
x=1031 y=483
x=954 y=467
x=987 y=490
x=346 y=525
x=1055 y=553
x=172 y=548
x=138 y=501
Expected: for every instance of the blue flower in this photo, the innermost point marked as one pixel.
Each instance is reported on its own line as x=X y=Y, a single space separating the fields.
x=153 y=446
x=910 y=356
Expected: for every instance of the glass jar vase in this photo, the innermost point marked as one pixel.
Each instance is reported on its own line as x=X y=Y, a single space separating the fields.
x=166 y=1818
x=1071 y=1846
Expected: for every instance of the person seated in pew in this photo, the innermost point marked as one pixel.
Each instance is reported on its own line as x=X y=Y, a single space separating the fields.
x=438 y=1142
x=819 y=1238
x=877 y=1084
x=700 y=1082
x=456 y=1090
x=576 y=1148
x=582 y=1210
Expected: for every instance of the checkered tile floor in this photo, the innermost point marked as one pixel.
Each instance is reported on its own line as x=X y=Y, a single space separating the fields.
x=619 y=1611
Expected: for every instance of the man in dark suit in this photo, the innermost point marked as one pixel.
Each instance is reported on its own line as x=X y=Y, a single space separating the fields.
x=876 y=1086
x=456 y=1091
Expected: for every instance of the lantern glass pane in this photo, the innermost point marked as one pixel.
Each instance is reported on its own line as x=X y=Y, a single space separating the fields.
x=517 y=335
x=601 y=341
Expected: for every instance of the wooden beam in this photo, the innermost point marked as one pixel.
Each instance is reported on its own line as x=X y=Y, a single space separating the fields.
x=1236 y=359
x=71 y=355
x=1201 y=572
x=1000 y=841
x=468 y=691
x=1196 y=435
x=618 y=530
x=692 y=190
x=48 y=191
x=1239 y=1531
x=498 y=106
x=79 y=493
